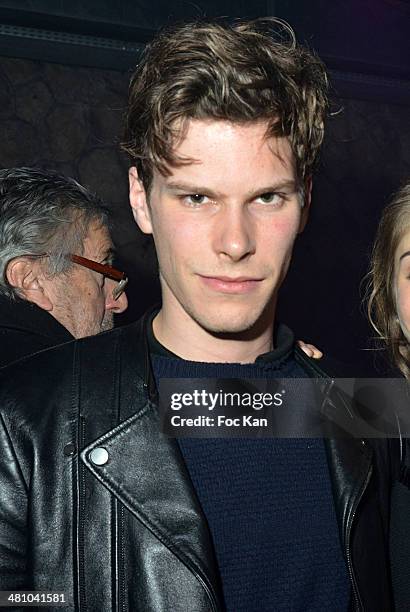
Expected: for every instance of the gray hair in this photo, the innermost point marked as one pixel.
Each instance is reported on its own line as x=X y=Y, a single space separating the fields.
x=43 y=212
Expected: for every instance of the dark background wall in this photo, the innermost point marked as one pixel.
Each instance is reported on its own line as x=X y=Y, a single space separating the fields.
x=64 y=69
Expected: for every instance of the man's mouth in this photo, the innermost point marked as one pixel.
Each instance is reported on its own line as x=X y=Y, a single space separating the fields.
x=228 y=284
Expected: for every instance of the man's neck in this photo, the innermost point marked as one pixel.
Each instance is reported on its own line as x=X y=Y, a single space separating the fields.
x=184 y=337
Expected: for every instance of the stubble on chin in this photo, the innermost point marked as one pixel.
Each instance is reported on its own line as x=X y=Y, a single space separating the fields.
x=220 y=324
x=107 y=322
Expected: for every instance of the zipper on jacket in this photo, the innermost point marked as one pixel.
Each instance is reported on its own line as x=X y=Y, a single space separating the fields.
x=122 y=558
x=356 y=594
x=81 y=510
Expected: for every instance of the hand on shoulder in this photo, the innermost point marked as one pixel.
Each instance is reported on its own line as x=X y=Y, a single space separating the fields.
x=310 y=349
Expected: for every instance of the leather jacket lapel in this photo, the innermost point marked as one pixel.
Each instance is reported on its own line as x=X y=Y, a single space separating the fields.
x=144 y=470
x=146 y=473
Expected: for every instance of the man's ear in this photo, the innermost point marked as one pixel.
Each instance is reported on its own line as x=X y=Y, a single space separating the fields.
x=138 y=202
x=25 y=276
x=307 y=193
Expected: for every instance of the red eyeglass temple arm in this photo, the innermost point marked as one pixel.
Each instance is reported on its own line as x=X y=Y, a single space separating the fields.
x=97 y=267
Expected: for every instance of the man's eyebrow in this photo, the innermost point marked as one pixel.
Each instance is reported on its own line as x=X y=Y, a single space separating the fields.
x=190 y=188
x=290 y=185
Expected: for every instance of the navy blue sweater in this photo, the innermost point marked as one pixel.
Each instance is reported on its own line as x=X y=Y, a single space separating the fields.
x=268 y=502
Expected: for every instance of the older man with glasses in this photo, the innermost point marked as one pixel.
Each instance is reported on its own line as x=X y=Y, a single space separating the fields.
x=56 y=278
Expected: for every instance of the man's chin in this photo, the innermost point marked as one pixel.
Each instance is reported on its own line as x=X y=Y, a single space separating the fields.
x=228 y=325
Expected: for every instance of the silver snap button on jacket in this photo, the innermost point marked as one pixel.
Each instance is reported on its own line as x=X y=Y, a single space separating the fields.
x=99 y=456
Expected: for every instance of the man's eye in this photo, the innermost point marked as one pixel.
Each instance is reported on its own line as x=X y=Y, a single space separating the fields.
x=195 y=199
x=271 y=198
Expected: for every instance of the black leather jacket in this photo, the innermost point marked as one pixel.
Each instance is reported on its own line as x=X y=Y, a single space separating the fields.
x=120 y=528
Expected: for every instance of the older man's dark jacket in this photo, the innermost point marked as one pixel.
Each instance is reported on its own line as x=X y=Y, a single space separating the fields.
x=25 y=328
x=120 y=528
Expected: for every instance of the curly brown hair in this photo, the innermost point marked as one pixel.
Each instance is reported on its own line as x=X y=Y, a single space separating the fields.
x=247 y=71
x=382 y=306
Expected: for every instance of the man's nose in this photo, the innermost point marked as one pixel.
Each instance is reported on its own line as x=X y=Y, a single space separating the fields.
x=116 y=306
x=234 y=236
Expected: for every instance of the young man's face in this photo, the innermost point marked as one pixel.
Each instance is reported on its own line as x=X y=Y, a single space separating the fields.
x=224 y=225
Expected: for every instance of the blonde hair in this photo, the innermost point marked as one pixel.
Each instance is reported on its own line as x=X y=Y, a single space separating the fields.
x=382 y=306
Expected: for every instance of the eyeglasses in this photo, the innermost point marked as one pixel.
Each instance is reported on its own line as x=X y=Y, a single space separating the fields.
x=105 y=270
